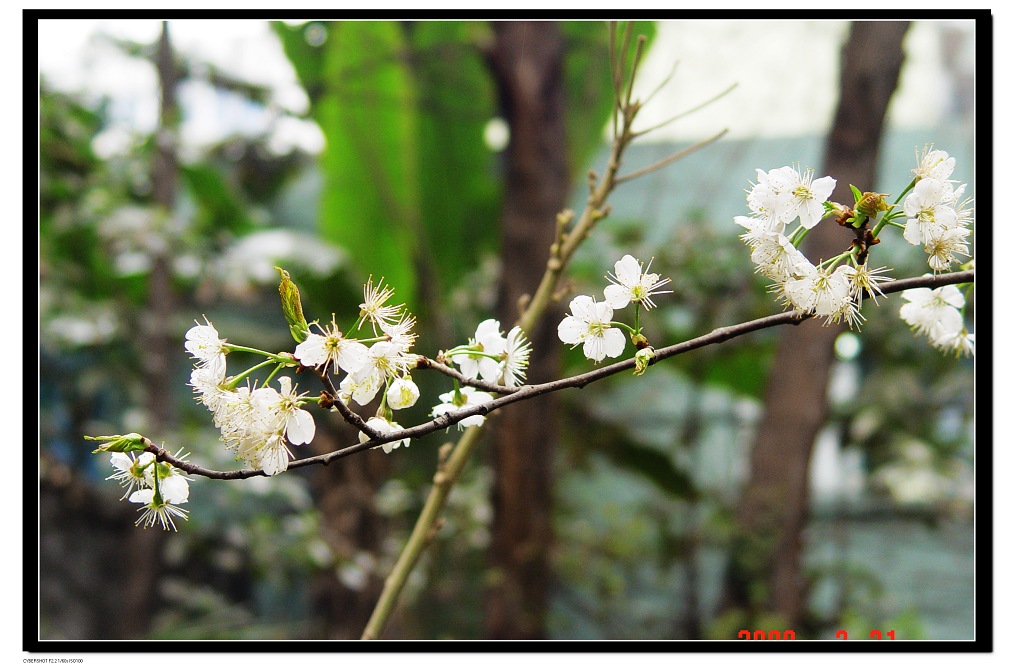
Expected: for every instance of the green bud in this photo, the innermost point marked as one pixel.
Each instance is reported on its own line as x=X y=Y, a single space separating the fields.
x=639 y=340
x=292 y=308
x=642 y=358
x=132 y=442
x=871 y=203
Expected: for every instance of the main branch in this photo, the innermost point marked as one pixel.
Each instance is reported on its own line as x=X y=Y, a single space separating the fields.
x=719 y=335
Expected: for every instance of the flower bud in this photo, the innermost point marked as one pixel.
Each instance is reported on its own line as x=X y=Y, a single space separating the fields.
x=871 y=203
x=642 y=358
x=132 y=442
x=291 y=307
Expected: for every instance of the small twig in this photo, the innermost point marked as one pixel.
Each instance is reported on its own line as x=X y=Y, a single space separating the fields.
x=665 y=81
x=424 y=362
x=638 y=54
x=345 y=411
x=614 y=77
x=671 y=159
x=668 y=121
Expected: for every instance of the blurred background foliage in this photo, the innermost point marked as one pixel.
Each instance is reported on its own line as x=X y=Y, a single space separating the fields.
x=408 y=187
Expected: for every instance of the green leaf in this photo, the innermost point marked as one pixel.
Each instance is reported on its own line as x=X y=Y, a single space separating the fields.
x=458 y=184
x=370 y=198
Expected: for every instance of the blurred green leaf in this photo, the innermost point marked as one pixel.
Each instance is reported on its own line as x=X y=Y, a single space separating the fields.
x=220 y=208
x=459 y=187
x=364 y=102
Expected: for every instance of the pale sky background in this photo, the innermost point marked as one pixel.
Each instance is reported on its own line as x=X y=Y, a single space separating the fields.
x=711 y=56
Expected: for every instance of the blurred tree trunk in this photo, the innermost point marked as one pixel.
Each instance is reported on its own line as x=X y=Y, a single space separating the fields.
x=160 y=342
x=764 y=573
x=527 y=63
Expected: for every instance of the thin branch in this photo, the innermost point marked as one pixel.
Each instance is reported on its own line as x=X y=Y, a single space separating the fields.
x=686 y=113
x=345 y=411
x=613 y=75
x=425 y=529
x=716 y=336
x=621 y=63
x=424 y=362
x=671 y=159
x=665 y=81
x=638 y=54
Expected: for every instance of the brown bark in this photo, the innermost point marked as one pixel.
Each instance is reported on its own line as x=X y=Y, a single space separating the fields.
x=159 y=343
x=527 y=61
x=764 y=574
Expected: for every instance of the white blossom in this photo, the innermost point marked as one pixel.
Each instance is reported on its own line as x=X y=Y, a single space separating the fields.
x=331 y=347
x=210 y=387
x=374 y=308
x=826 y=293
x=514 y=364
x=934 y=164
x=465 y=397
x=402 y=393
x=632 y=283
x=960 y=343
x=383 y=426
x=589 y=324
x=203 y=343
x=130 y=471
x=482 y=358
x=384 y=360
x=156 y=510
x=945 y=248
x=282 y=411
x=933 y=312
x=804 y=197
x=784 y=194
x=776 y=257
x=930 y=210
x=866 y=281
x=362 y=391
x=400 y=333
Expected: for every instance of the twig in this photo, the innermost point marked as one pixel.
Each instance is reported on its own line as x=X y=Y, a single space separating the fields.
x=671 y=159
x=683 y=114
x=665 y=81
x=424 y=362
x=425 y=527
x=345 y=411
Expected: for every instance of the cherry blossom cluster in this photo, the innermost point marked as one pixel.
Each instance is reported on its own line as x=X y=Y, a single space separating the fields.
x=936 y=313
x=254 y=421
x=936 y=218
x=834 y=289
x=371 y=364
x=590 y=323
x=260 y=422
x=830 y=290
